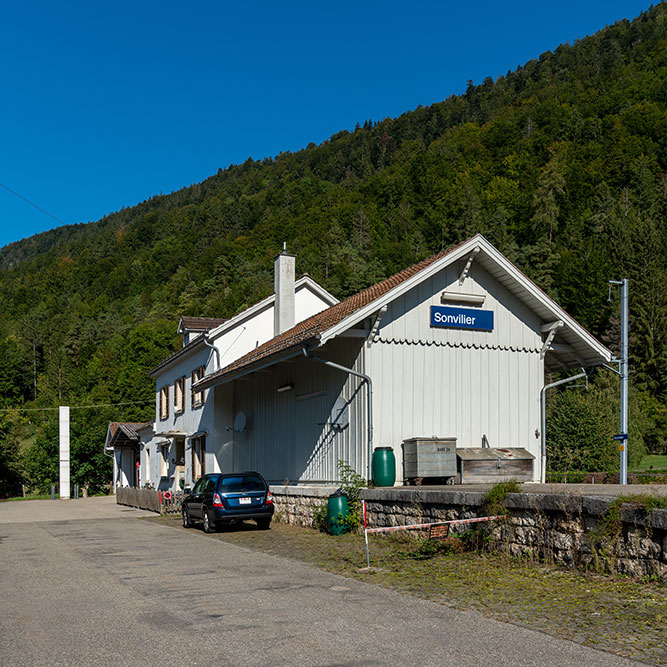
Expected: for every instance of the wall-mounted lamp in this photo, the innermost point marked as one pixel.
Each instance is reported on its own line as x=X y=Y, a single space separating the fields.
x=285 y=387
x=461 y=297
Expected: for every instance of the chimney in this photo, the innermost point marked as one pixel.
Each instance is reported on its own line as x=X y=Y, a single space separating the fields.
x=283 y=282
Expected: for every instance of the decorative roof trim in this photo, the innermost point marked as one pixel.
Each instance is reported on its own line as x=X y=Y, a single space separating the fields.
x=446 y=343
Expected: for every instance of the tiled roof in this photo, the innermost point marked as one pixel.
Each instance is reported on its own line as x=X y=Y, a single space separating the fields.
x=321 y=322
x=201 y=323
x=127 y=429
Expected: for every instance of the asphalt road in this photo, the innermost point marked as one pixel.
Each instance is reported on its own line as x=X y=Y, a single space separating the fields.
x=87 y=582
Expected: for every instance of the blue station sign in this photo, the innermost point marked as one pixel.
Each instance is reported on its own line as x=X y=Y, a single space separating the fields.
x=461 y=318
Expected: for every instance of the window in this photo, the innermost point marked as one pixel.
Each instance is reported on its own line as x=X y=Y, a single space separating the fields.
x=164 y=402
x=147 y=472
x=197 y=396
x=179 y=395
x=242 y=483
x=164 y=463
x=198 y=457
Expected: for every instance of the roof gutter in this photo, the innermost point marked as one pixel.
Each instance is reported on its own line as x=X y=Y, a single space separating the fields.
x=369 y=385
x=543 y=419
x=215 y=349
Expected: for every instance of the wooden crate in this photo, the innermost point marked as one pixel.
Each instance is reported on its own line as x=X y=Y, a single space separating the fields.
x=480 y=465
x=429 y=457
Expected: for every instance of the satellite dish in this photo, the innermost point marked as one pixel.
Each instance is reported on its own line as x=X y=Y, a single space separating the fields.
x=240 y=422
x=340 y=415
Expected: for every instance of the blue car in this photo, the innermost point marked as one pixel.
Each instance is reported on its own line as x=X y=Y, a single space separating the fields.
x=218 y=499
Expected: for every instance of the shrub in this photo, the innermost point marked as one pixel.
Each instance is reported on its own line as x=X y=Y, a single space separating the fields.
x=351 y=483
x=494 y=501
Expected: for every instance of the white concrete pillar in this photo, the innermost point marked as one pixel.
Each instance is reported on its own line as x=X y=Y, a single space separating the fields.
x=63 y=424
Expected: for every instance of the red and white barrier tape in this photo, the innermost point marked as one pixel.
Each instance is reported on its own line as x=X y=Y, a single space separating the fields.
x=391 y=529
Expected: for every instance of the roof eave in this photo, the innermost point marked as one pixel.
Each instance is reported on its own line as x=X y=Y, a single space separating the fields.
x=264 y=362
x=603 y=354
x=369 y=309
x=177 y=356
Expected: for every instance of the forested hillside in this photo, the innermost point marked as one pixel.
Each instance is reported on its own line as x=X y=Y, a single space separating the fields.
x=561 y=164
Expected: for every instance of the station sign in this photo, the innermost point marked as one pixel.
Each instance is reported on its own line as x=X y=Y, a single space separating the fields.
x=451 y=317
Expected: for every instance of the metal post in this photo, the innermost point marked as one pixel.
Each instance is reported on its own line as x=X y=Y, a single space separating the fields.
x=368 y=555
x=53 y=491
x=623 y=369
x=624 y=381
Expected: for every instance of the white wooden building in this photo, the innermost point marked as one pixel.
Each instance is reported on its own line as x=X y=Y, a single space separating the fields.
x=192 y=430
x=455 y=346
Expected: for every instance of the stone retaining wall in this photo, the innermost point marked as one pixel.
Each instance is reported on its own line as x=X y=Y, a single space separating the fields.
x=295 y=504
x=559 y=527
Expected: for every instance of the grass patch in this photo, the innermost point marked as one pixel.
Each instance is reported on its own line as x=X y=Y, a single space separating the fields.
x=653 y=461
x=32 y=496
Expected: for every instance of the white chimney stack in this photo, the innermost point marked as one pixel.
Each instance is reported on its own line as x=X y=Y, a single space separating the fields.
x=283 y=282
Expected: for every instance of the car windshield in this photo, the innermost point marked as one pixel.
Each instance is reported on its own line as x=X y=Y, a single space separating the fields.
x=241 y=483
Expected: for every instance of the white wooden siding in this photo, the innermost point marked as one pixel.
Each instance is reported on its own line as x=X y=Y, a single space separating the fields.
x=291 y=437
x=457 y=383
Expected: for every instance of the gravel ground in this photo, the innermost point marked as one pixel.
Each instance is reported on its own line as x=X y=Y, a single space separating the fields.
x=615 y=614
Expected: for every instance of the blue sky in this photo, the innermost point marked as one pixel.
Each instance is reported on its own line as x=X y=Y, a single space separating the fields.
x=105 y=105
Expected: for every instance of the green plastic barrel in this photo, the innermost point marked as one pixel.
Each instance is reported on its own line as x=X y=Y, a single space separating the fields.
x=383 y=466
x=337 y=510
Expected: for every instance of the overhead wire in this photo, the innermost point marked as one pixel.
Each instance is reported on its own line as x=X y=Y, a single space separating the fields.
x=39 y=208
x=77 y=407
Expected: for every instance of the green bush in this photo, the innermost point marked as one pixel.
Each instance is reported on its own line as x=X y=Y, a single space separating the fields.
x=351 y=483
x=320 y=517
x=581 y=425
x=494 y=500
x=451 y=544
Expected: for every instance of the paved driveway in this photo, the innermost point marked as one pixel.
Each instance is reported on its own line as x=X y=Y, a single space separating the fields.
x=96 y=585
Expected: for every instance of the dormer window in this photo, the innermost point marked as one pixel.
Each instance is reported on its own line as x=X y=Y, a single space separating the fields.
x=193 y=327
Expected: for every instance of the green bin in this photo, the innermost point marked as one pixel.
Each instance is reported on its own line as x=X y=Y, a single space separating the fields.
x=383 y=466
x=337 y=510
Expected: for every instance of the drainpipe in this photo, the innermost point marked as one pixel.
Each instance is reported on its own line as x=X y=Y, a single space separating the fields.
x=543 y=420
x=369 y=384
x=215 y=349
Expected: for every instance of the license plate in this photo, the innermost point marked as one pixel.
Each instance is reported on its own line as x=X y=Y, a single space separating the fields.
x=244 y=501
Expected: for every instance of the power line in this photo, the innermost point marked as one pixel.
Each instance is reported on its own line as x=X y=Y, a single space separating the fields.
x=39 y=208
x=77 y=407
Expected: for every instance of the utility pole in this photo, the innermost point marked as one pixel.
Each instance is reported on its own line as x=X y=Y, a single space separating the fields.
x=622 y=437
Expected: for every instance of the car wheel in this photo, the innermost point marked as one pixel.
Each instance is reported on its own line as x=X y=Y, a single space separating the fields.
x=187 y=521
x=264 y=524
x=209 y=526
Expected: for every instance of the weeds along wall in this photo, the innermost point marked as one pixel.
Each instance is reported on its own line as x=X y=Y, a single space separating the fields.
x=585 y=531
